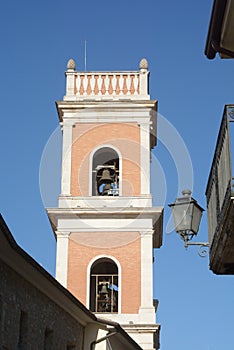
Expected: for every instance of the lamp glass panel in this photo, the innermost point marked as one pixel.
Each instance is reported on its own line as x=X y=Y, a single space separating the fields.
x=182 y=215
x=197 y=213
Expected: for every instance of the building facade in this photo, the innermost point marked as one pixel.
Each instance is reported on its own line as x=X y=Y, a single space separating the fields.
x=38 y=313
x=105 y=225
x=220 y=198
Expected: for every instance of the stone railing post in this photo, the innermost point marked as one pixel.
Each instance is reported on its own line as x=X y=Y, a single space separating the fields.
x=144 y=74
x=70 y=79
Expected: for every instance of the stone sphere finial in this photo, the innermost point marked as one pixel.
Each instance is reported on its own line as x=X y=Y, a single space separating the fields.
x=71 y=64
x=143 y=64
x=186 y=193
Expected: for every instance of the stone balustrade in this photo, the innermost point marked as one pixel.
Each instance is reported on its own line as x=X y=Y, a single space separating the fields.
x=107 y=85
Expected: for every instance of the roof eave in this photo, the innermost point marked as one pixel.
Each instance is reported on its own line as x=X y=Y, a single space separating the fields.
x=214 y=32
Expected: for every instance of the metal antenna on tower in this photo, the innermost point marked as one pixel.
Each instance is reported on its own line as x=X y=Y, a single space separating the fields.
x=85 y=54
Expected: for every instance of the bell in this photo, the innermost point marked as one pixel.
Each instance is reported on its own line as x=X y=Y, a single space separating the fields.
x=106 y=189
x=104 y=289
x=106 y=177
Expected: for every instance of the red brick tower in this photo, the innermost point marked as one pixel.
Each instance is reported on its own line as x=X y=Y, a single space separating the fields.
x=105 y=225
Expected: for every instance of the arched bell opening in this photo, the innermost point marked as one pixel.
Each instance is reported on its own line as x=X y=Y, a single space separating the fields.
x=104 y=286
x=105 y=172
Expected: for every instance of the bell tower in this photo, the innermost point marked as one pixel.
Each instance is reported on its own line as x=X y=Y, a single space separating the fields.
x=105 y=224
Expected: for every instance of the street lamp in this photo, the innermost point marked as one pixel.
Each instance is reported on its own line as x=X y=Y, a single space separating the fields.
x=187 y=215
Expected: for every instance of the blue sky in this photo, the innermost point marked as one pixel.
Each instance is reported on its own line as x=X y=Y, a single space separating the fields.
x=196 y=308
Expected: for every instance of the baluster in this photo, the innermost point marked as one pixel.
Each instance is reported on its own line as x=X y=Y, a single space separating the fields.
x=92 y=84
x=88 y=86
x=99 y=81
x=78 y=84
x=85 y=84
x=135 y=83
x=114 y=82
x=128 y=84
x=107 y=84
x=121 y=82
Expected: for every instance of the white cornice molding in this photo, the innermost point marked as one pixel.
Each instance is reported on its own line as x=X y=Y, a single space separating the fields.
x=98 y=220
x=106 y=212
x=106 y=104
x=88 y=108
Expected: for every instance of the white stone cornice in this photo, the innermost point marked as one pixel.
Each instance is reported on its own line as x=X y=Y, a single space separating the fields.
x=117 y=108
x=108 y=201
x=116 y=212
x=98 y=229
x=109 y=219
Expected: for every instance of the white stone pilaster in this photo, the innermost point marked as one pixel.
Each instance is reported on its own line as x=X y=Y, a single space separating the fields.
x=62 y=257
x=147 y=273
x=145 y=158
x=66 y=159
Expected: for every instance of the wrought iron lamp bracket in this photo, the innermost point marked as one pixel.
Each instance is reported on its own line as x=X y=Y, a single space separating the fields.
x=203 y=247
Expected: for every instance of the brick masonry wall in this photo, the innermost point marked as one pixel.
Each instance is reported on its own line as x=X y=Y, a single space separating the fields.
x=124 y=246
x=86 y=137
x=17 y=295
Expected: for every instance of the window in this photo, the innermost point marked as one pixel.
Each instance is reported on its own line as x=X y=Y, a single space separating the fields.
x=71 y=347
x=48 y=340
x=105 y=172
x=104 y=286
x=23 y=327
x=1 y=318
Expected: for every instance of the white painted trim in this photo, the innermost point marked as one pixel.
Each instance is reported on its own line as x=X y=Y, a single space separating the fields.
x=91 y=165
x=143 y=82
x=104 y=224
x=119 y=279
x=102 y=116
x=99 y=202
x=93 y=112
x=145 y=158
x=66 y=159
x=62 y=257
x=146 y=269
